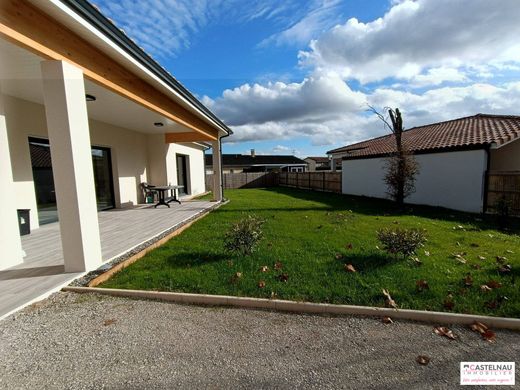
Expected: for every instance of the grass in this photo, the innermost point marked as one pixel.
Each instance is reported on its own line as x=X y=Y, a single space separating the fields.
x=306 y=231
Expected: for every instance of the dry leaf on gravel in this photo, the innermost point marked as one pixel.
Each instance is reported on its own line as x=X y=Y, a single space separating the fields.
x=110 y=321
x=387 y=320
x=349 y=268
x=389 y=302
x=486 y=333
x=422 y=360
x=444 y=331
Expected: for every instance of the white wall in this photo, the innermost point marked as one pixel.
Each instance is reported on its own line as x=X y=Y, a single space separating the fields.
x=454 y=180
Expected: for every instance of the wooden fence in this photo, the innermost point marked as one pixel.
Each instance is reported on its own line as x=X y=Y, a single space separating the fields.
x=504 y=185
x=320 y=181
x=245 y=180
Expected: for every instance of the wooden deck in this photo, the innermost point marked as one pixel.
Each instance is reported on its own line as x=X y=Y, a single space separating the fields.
x=121 y=230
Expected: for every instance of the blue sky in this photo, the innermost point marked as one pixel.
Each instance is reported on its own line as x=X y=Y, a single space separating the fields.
x=296 y=76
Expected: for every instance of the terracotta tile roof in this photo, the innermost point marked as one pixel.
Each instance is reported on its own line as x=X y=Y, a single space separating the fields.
x=464 y=133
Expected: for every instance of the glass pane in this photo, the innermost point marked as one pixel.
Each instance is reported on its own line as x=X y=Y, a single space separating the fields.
x=103 y=178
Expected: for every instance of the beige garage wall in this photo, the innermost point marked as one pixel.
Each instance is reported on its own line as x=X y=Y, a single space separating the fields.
x=129 y=154
x=506 y=158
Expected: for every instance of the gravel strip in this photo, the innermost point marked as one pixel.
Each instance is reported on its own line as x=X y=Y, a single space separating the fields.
x=88 y=341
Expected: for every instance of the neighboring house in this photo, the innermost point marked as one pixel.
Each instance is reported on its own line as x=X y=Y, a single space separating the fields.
x=318 y=163
x=237 y=163
x=454 y=158
x=86 y=116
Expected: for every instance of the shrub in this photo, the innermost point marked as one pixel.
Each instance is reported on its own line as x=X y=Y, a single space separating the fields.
x=401 y=241
x=243 y=236
x=503 y=209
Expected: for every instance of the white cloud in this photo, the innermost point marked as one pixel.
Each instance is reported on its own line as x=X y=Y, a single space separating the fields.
x=417 y=35
x=321 y=16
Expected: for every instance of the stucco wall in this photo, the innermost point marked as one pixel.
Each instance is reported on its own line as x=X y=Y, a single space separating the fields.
x=135 y=156
x=506 y=158
x=454 y=180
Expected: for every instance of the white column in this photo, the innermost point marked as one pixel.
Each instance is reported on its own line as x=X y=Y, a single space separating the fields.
x=9 y=232
x=217 y=171
x=333 y=164
x=69 y=138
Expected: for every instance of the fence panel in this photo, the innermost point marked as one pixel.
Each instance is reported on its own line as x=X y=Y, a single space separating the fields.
x=320 y=181
x=244 y=180
x=504 y=185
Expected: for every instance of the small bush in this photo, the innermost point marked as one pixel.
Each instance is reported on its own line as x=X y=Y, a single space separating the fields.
x=244 y=235
x=401 y=241
x=503 y=209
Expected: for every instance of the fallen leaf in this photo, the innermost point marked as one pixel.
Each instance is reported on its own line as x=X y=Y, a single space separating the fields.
x=274 y=295
x=505 y=269
x=387 y=320
x=264 y=268
x=339 y=256
x=444 y=331
x=278 y=265
x=509 y=251
x=109 y=322
x=422 y=360
x=481 y=258
x=236 y=277
x=494 y=284
x=426 y=253
x=377 y=247
x=349 y=268
x=261 y=284
x=349 y=246
x=489 y=335
x=492 y=304
x=389 y=302
x=485 y=288
x=283 y=277
x=422 y=284
x=468 y=280
x=416 y=260
x=501 y=259
x=476 y=266
x=448 y=302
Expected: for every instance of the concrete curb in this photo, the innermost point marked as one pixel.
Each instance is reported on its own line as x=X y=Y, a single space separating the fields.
x=305 y=307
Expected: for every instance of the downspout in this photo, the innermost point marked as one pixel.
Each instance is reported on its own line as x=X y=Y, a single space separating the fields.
x=486 y=178
x=222 y=165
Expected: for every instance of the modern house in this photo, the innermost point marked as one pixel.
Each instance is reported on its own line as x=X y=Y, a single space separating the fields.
x=455 y=159
x=237 y=163
x=86 y=116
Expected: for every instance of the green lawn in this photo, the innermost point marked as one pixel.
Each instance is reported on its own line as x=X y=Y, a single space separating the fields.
x=307 y=231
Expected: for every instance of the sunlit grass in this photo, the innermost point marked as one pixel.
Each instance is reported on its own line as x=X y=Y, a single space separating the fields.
x=306 y=231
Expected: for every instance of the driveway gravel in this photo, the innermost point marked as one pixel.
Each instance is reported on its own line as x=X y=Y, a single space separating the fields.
x=87 y=341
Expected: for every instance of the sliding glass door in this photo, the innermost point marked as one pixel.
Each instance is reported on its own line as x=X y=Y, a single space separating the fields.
x=44 y=181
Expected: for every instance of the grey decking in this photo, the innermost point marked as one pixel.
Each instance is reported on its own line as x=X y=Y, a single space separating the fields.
x=120 y=229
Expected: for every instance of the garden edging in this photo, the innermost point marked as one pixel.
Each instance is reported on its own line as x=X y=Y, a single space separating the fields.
x=305 y=307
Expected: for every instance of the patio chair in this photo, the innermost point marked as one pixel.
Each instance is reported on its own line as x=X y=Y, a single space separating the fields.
x=148 y=190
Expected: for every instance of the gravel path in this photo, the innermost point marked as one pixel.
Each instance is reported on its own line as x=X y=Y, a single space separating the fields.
x=76 y=341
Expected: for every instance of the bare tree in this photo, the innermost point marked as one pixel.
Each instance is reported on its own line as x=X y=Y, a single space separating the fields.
x=401 y=166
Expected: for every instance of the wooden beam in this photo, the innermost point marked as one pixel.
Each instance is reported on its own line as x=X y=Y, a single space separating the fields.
x=28 y=27
x=185 y=137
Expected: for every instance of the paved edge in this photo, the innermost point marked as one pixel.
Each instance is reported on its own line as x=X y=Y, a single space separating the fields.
x=305 y=307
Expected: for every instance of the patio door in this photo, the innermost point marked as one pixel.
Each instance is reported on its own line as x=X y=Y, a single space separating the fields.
x=44 y=181
x=182 y=174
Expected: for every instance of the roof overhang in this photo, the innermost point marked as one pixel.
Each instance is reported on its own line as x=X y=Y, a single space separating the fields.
x=55 y=30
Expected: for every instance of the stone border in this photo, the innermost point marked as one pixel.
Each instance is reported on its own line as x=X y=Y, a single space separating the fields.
x=305 y=307
x=138 y=251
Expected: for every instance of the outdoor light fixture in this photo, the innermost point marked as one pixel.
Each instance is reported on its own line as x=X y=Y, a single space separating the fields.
x=158 y=124
x=90 y=98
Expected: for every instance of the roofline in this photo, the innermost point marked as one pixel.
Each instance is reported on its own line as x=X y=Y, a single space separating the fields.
x=342 y=149
x=462 y=148
x=93 y=16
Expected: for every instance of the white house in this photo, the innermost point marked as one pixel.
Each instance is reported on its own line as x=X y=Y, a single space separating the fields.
x=454 y=158
x=74 y=87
